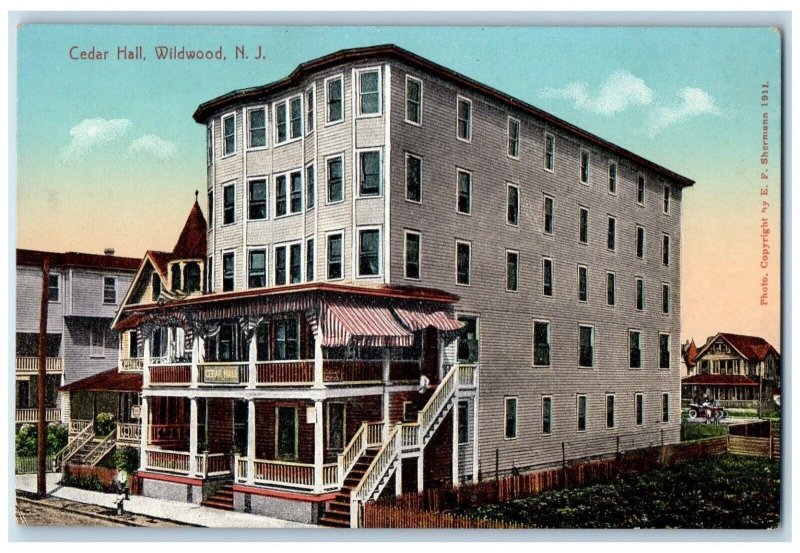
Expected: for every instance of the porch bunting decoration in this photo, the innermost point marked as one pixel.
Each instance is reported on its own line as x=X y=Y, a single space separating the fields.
x=347 y=321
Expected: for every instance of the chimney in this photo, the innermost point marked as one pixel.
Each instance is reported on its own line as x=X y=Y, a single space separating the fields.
x=108 y=251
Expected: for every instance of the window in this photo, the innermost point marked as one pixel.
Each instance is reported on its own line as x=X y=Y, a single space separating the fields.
x=581 y=410
x=257 y=268
x=209 y=274
x=640 y=190
x=156 y=286
x=228 y=204
x=611 y=241
x=548 y=215
x=547 y=415
x=296 y=113
x=547 y=276
x=229 y=135
x=513 y=138
x=549 y=152
x=586 y=346
x=296 y=203
x=639 y=409
x=369 y=182
x=583 y=283
x=413 y=178
x=53 y=288
x=612 y=178
x=464 y=119
x=369 y=92
x=336 y=426
x=311 y=190
x=257 y=199
x=310 y=109
x=463 y=254
x=665 y=250
x=333 y=99
x=97 y=342
x=191 y=277
x=666 y=200
x=664 y=407
x=611 y=288
x=210 y=209
x=412 y=254
x=335 y=172
x=280 y=195
x=468 y=344
x=640 y=242
x=665 y=299
x=464 y=192
x=541 y=343
x=640 y=294
x=294 y=262
x=583 y=233
x=369 y=252
x=634 y=349
x=409 y=411
x=510 y=418
x=610 y=400
x=109 y=290
x=663 y=351
x=209 y=144
x=228 y=271
x=310 y=255
x=257 y=128
x=463 y=422
x=286 y=434
x=584 y=167
x=133 y=344
x=286 y=339
x=413 y=100
x=512 y=205
x=512 y=271
x=175 y=270
x=280 y=265
x=281 y=133
x=335 y=256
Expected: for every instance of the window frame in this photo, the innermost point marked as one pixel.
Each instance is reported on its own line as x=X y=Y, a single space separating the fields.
x=359 y=231
x=583 y=291
x=310 y=257
x=210 y=207
x=548 y=325
x=578 y=398
x=513 y=140
x=113 y=280
x=310 y=186
x=611 y=414
x=515 y=254
x=360 y=168
x=591 y=344
x=287 y=104
x=665 y=249
x=225 y=186
x=250 y=251
x=408 y=156
x=548 y=430
x=640 y=244
x=661 y=359
x=250 y=182
x=552 y=202
x=287 y=175
x=584 y=153
x=421 y=101
x=510 y=223
x=665 y=408
x=287 y=246
x=328 y=424
x=328 y=236
x=209 y=274
x=637 y=332
x=340 y=78
x=611 y=286
x=328 y=159
x=610 y=234
x=210 y=143
x=225 y=153
x=613 y=179
x=248 y=111
x=57 y=277
x=357 y=88
x=639 y=297
x=459 y=100
x=278 y=455
x=406 y=234
x=641 y=190
x=463 y=422
x=97 y=342
x=666 y=207
x=460 y=242
x=506 y=401
x=230 y=252
x=583 y=229
x=309 y=109
x=459 y=171
x=638 y=408
x=549 y=139
x=666 y=298
x=545 y=260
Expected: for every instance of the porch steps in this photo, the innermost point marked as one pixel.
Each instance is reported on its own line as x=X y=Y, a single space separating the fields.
x=222 y=499
x=87 y=455
x=337 y=512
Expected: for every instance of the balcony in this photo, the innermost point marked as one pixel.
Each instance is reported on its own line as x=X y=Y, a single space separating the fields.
x=131 y=364
x=27 y=416
x=29 y=366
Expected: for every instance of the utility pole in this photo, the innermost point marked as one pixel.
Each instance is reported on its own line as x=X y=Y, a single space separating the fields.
x=41 y=469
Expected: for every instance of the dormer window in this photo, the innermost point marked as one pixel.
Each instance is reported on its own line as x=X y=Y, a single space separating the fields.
x=156 y=286
x=191 y=277
x=176 y=277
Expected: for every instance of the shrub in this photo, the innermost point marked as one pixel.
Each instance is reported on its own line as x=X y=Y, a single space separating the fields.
x=27 y=444
x=84 y=482
x=57 y=438
x=104 y=424
x=126 y=459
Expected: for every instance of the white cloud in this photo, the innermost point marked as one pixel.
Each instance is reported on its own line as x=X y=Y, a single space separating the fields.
x=93 y=134
x=693 y=102
x=621 y=90
x=155 y=146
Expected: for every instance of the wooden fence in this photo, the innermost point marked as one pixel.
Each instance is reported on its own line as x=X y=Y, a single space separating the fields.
x=379 y=515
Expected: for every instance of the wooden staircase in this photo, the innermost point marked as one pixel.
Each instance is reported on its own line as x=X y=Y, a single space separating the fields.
x=221 y=499
x=337 y=513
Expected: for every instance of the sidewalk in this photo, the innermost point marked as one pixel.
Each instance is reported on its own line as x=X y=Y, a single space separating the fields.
x=188 y=513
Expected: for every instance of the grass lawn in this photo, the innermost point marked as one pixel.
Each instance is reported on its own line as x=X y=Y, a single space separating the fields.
x=717 y=492
x=697 y=431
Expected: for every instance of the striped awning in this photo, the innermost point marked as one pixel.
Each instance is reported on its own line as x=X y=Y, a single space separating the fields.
x=423 y=316
x=347 y=321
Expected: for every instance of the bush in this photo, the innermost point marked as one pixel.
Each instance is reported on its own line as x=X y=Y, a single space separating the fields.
x=57 y=438
x=126 y=459
x=104 y=424
x=85 y=482
x=27 y=444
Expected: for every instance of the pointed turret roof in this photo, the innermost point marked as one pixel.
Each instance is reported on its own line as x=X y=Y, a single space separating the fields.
x=690 y=354
x=192 y=241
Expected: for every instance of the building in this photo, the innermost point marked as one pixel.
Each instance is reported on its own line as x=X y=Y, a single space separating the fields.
x=411 y=280
x=84 y=292
x=734 y=369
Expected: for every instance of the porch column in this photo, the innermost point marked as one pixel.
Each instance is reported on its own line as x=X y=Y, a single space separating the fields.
x=195 y=361
x=319 y=453
x=398 y=478
x=455 y=439
x=192 y=436
x=318 y=359
x=421 y=469
x=251 y=440
x=251 y=361
x=386 y=368
x=144 y=411
x=146 y=362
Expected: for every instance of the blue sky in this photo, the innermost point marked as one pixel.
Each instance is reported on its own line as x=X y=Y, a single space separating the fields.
x=108 y=154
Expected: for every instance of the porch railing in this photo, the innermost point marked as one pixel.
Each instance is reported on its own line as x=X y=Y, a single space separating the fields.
x=76 y=426
x=131 y=364
x=129 y=432
x=370 y=434
x=177 y=374
x=231 y=373
x=213 y=464
x=352 y=370
x=30 y=365
x=168 y=433
x=404 y=370
x=285 y=372
x=169 y=461
x=51 y=414
x=285 y=474
x=466 y=375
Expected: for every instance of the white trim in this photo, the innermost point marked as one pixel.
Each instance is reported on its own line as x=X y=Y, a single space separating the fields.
x=640 y=177
x=636 y=242
x=328 y=235
x=588 y=166
x=265 y=248
x=636 y=282
x=405 y=181
x=265 y=109
x=581 y=210
x=616 y=178
x=210 y=143
x=519 y=198
x=669 y=350
x=287 y=245
x=669 y=298
x=357 y=250
x=357 y=91
x=541 y=426
x=287 y=103
x=97 y=351
x=313 y=166
x=518 y=138
x=460 y=170
x=421 y=100
x=357 y=184
x=115 y=302
x=223 y=186
x=578 y=412
x=469 y=271
x=312 y=238
x=250 y=180
x=546 y=258
x=533 y=342
x=516 y=276
x=406 y=232
x=288 y=176
x=614 y=249
x=209 y=274
x=669 y=240
x=326 y=160
x=506 y=399
x=638 y=331
x=665 y=395
x=614 y=288
x=223 y=118
x=586 y=270
x=552 y=168
x=313 y=119
x=223 y=253
x=636 y=409
x=340 y=77
x=613 y=411
x=591 y=343
x=668 y=197
x=459 y=99
x=546 y=197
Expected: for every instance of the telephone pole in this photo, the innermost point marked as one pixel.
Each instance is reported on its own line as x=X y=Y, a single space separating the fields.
x=41 y=469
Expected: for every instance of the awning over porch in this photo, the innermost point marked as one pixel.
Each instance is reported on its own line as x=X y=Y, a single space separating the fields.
x=368 y=325
x=106 y=381
x=423 y=316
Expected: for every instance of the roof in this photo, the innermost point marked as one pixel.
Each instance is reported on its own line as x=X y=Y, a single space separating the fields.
x=690 y=355
x=36 y=258
x=751 y=348
x=160 y=261
x=107 y=381
x=259 y=93
x=192 y=241
x=719 y=380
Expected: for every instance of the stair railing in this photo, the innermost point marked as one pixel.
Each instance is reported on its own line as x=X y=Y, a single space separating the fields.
x=383 y=461
x=101 y=449
x=364 y=437
x=73 y=446
x=437 y=402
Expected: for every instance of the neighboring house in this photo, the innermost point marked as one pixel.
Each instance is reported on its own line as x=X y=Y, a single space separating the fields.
x=734 y=369
x=403 y=262
x=84 y=291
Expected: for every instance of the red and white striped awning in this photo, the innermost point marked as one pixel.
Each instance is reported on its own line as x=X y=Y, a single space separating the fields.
x=368 y=325
x=423 y=316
